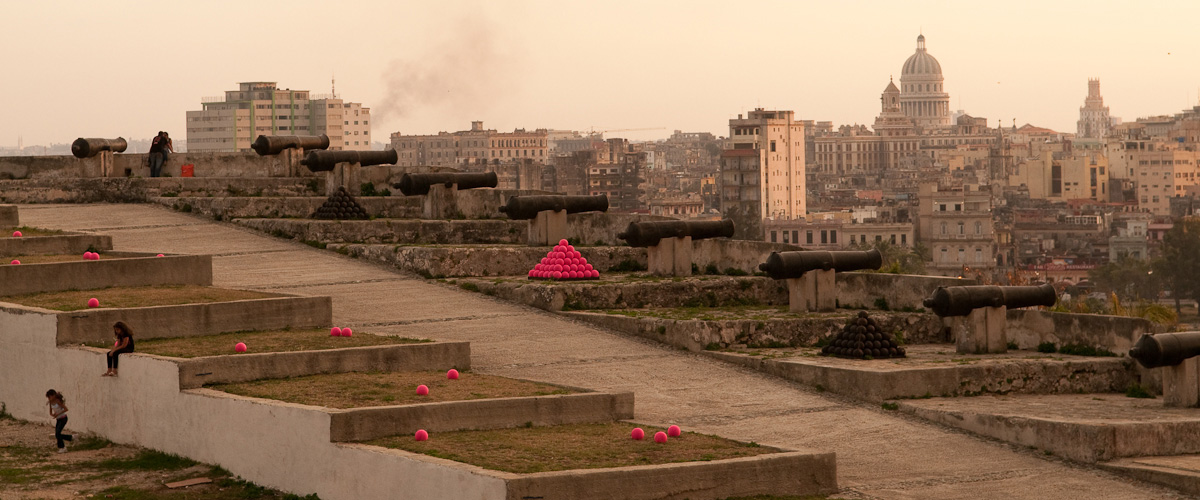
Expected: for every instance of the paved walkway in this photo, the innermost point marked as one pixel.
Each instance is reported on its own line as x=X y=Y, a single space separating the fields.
x=880 y=454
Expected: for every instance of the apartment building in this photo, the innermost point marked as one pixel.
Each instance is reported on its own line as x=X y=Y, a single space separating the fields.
x=232 y=122
x=956 y=225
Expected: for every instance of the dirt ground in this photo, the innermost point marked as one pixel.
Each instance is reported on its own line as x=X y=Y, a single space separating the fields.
x=32 y=468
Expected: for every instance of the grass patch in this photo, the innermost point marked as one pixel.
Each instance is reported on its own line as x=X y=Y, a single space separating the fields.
x=1136 y=390
x=145 y=460
x=1085 y=350
x=27 y=231
x=142 y=296
x=1047 y=347
x=567 y=447
x=260 y=342
x=357 y=390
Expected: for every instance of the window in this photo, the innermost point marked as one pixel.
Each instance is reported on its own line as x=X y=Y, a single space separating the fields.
x=903 y=239
x=943 y=228
x=796 y=237
x=824 y=236
x=958 y=207
x=772 y=146
x=808 y=237
x=978 y=227
x=961 y=229
x=773 y=236
x=833 y=236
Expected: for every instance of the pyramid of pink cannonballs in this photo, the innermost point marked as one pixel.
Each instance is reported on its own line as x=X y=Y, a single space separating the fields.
x=563 y=263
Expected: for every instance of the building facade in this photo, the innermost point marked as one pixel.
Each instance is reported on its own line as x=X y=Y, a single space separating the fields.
x=1094 y=121
x=476 y=146
x=778 y=142
x=956 y=226
x=923 y=98
x=234 y=121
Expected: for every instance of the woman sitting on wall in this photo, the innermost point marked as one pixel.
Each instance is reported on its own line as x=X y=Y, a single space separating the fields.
x=123 y=345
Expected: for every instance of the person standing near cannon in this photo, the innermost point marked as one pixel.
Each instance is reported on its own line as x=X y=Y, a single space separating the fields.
x=168 y=148
x=156 y=156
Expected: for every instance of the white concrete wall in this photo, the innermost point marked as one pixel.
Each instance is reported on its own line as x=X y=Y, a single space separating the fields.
x=277 y=445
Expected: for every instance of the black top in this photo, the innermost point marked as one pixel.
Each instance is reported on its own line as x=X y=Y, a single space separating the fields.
x=123 y=335
x=156 y=145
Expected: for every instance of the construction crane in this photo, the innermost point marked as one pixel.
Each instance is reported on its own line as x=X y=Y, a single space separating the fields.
x=593 y=131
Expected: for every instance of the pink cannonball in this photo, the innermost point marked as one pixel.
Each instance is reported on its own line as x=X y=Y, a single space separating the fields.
x=240 y=347
x=452 y=374
x=587 y=267
x=422 y=390
x=87 y=255
x=563 y=242
x=346 y=332
x=17 y=234
x=335 y=332
x=660 y=437
x=15 y=262
x=93 y=302
x=595 y=273
x=638 y=434
x=576 y=274
x=577 y=254
x=674 y=431
x=557 y=275
x=422 y=435
x=160 y=255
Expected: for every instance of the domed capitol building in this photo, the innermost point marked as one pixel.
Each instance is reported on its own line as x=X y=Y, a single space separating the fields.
x=923 y=97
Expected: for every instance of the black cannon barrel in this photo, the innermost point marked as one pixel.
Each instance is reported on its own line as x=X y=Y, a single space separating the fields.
x=87 y=148
x=949 y=301
x=786 y=265
x=648 y=234
x=527 y=207
x=418 y=184
x=1165 y=349
x=324 y=161
x=275 y=144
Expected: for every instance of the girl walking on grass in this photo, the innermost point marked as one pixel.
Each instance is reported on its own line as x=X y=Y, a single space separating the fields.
x=124 y=344
x=58 y=411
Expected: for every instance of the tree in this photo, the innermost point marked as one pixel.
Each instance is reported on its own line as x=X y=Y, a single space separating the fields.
x=898 y=259
x=1130 y=278
x=1180 y=263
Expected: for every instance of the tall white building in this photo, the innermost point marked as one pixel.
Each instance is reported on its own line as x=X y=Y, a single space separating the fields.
x=1094 y=121
x=232 y=122
x=923 y=97
x=776 y=140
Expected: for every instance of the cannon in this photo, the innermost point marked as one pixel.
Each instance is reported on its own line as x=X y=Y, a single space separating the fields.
x=961 y=300
x=325 y=161
x=87 y=148
x=648 y=234
x=788 y=265
x=1165 y=349
x=977 y=314
x=528 y=207
x=275 y=144
x=418 y=184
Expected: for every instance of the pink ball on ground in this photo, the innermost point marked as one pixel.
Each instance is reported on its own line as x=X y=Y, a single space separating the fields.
x=17 y=234
x=240 y=347
x=595 y=273
x=660 y=437
x=587 y=267
x=452 y=374
x=15 y=262
x=93 y=302
x=160 y=255
x=87 y=255
x=335 y=332
x=674 y=431
x=422 y=435
x=563 y=242
x=422 y=390
x=557 y=275
x=531 y=271
x=346 y=332
x=638 y=434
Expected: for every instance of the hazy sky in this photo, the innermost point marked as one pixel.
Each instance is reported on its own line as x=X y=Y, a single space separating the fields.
x=132 y=68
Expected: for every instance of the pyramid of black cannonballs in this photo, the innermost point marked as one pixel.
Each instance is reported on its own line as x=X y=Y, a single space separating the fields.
x=862 y=337
x=340 y=206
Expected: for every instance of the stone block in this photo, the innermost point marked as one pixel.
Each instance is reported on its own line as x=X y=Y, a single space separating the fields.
x=548 y=228
x=812 y=292
x=9 y=216
x=1181 y=384
x=981 y=332
x=440 y=203
x=670 y=257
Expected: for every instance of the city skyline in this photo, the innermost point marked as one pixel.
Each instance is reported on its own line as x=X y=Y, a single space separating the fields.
x=426 y=67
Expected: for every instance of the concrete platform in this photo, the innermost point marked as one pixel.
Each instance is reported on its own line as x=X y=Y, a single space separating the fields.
x=479 y=260
x=936 y=370
x=1083 y=427
x=1179 y=472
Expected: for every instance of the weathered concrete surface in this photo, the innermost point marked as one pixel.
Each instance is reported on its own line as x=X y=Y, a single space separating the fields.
x=698 y=335
x=186 y=320
x=479 y=260
x=196 y=372
x=114 y=269
x=9 y=216
x=900 y=291
x=1028 y=328
x=1181 y=472
x=287 y=206
x=618 y=291
x=1085 y=427
x=54 y=244
x=407 y=231
x=779 y=474
x=880 y=455
x=934 y=370
x=143 y=189
x=364 y=424
x=243 y=165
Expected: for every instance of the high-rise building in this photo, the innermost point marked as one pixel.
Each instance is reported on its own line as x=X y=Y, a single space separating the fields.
x=762 y=175
x=922 y=96
x=1094 y=121
x=233 y=122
